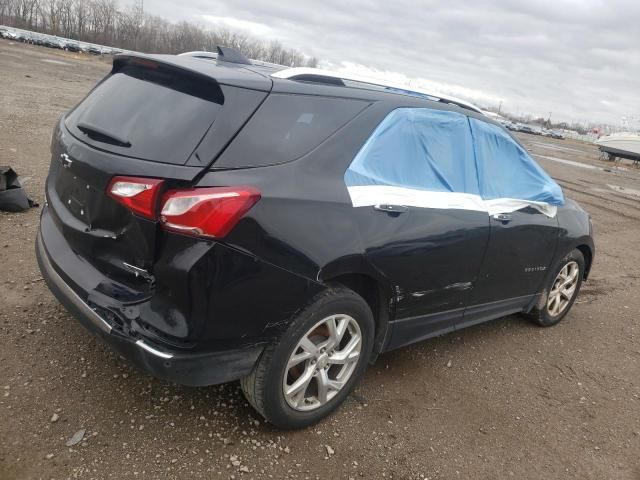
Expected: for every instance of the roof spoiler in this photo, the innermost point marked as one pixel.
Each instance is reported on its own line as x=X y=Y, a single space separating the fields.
x=217 y=72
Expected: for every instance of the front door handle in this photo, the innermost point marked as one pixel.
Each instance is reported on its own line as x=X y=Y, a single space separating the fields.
x=391 y=209
x=502 y=217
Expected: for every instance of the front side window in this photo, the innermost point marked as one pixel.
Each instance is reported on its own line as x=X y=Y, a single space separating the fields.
x=507 y=171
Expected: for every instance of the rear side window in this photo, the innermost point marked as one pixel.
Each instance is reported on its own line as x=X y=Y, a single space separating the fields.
x=418 y=148
x=286 y=127
x=150 y=112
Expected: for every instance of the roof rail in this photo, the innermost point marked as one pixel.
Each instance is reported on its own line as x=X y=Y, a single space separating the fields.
x=225 y=54
x=328 y=76
x=199 y=54
x=216 y=56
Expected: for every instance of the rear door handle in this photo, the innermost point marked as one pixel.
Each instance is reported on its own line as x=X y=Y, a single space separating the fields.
x=397 y=209
x=502 y=217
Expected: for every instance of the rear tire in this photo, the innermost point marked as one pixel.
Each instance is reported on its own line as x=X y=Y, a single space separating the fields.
x=328 y=383
x=560 y=293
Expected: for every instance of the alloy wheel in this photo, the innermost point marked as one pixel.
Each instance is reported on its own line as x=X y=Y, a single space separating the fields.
x=563 y=289
x=322 y=362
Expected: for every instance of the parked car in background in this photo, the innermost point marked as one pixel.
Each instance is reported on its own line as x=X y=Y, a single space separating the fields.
x=37 y=40
x=314 y=227
x=50 y=42
x=71 y=46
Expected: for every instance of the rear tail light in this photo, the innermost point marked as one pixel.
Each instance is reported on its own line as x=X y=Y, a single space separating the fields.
x=209 y=212
x=136 y=193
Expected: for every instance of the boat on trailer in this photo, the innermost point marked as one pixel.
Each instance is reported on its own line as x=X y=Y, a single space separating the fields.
x=620 y=145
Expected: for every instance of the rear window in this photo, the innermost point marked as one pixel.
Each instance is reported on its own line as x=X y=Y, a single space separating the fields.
x=151 y=112
x=286 y=127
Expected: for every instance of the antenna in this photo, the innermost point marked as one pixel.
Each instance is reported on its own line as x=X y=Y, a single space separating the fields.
x=138 y=8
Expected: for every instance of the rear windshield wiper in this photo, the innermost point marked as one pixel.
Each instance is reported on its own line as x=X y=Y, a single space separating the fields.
x=101 y=135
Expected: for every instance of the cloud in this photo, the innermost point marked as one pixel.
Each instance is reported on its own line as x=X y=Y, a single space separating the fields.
x=235 y=24
x=579 y=59
x=434 y=88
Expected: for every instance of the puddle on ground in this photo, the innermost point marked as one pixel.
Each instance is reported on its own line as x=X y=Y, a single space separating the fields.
x=569 y=162
x=556 y=147
x=625 y=190
x=57 y=62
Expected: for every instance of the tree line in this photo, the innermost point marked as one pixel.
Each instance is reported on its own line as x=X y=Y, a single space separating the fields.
x=104 y=22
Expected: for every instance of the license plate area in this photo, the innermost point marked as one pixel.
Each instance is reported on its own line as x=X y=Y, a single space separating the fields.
x=77 y=206
x=75 y=193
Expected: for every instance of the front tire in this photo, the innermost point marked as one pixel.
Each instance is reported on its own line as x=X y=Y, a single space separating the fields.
x=317 y=362
x=560 y=294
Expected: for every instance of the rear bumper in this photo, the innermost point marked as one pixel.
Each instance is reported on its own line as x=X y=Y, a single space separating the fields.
x=187 y=368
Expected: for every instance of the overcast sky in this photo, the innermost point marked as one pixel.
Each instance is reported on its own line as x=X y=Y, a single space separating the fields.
x=579 y=59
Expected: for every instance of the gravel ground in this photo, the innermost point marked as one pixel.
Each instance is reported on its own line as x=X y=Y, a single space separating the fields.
x=503 y=399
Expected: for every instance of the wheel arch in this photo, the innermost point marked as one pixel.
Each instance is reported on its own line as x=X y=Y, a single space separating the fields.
x=587 y=253
x=372 y=288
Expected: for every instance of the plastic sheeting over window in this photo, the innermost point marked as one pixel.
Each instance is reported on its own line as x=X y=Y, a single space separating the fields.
x=438 y=159
x=418 y=148
x=506 y=170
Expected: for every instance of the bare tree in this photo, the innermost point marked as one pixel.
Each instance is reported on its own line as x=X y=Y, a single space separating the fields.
x=81 y=18
x=6 y=10
x=104 y=22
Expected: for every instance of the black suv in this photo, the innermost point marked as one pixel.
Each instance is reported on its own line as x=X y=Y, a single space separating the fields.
x=216 y=220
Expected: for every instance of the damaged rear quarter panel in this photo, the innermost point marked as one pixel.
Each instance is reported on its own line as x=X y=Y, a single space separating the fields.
x=217 y=295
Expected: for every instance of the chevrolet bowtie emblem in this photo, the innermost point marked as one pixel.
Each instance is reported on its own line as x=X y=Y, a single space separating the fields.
x=65 y=160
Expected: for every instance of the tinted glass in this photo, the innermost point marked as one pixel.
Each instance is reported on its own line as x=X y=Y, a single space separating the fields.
x=286 y=127
x=155 y=114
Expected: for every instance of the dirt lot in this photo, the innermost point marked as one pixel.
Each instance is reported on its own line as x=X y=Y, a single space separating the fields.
x=504 y=399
